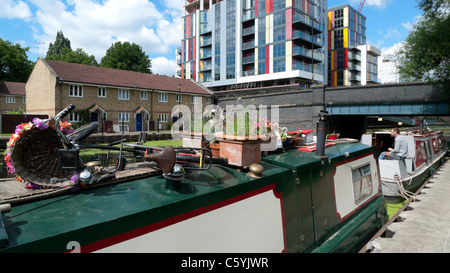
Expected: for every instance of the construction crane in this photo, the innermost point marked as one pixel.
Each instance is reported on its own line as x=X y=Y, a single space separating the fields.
x=361 y=5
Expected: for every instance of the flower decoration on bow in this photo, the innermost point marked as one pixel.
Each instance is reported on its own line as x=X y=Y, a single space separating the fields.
x=42 y=124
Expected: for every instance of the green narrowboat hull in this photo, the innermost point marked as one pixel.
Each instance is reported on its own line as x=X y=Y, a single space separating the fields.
x=296 y=206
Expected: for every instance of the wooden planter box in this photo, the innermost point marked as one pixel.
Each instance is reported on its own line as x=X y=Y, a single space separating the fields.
x=215 y=149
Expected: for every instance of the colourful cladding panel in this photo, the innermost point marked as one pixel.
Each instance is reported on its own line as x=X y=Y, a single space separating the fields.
x=346 y=58
x=267 y=59
x=331 y=20
x=289 y=13
x=332 y=61
x=345 y=37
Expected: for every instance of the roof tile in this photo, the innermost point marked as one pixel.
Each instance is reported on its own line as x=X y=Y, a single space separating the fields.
x=79 y=73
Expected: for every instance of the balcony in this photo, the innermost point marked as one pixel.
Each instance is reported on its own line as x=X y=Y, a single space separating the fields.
x=355 y=78
x=354 y=56
x=246 y=73
x=298 y=51
x=248 y=15
x=205 y=41
x=248 y=59
x=306 y=38
x=248 y=31
x=204 y=54
x=353 y=66
x=307 y=23
x=248 y=45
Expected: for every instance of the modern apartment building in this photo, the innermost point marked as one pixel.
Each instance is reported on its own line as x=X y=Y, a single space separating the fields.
x=350 y=61
x=234 y=44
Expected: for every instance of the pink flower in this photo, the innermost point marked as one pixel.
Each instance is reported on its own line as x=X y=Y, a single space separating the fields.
x=41 y=123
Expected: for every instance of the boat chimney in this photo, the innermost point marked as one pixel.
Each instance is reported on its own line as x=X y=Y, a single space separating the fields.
x=321 y=133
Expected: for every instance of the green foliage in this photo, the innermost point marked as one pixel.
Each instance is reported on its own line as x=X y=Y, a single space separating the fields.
x=14 y=63
x=425 y=53
x=61 y=51
x=60 y=44
x=78 y=56
x=127 y=56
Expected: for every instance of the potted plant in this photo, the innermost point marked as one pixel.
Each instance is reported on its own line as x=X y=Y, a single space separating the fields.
x=241 y=145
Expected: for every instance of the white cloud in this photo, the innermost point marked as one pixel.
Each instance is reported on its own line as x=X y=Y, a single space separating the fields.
x=381 y=4
x=10 y=10
x=163 y=66
x=393 y=33
x=95 y=25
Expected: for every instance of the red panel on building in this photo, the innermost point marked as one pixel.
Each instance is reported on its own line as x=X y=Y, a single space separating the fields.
x=346 y=58
x=289 y=13
x=267 y=59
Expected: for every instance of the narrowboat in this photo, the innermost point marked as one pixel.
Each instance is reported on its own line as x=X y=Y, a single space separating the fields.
x=292 y=201
x=401 y=178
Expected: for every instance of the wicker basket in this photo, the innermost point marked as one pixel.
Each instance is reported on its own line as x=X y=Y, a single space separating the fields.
x=35 y=158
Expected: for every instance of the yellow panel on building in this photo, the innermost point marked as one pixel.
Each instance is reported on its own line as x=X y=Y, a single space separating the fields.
x=345 y=37
x=288 y=3
x=329 y=20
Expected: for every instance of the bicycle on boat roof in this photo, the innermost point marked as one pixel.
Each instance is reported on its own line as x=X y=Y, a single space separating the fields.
x=47 y=157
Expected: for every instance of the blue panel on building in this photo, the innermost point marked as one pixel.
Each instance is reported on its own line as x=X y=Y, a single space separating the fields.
x=427 y=108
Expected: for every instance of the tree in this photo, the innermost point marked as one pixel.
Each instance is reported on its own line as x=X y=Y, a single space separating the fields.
x=127 y=56
x=61 y=42
x=14 y=63
x=425 y=53
x=78 y=56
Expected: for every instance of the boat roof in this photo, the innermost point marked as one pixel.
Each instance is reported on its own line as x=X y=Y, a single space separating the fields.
x=71 y=217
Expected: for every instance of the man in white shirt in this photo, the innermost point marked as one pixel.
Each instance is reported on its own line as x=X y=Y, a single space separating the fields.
x=400 y=148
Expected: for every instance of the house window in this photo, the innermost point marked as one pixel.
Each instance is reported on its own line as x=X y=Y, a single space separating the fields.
x=194 y=100
x=10 y=99
x=24 y=100
x=124 y=94
x=143 y=95
x=76 y=91
x=162 y=97
x=179 y=98
x=74 y=117
x=208 y=100
x=101 y=92
x=362 y=183
x=124 y=117
x=162 y=117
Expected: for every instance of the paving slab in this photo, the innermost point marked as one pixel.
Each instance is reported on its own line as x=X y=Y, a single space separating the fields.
x=425 y=228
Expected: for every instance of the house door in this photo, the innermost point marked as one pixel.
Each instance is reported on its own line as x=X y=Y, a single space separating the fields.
x=94 y=117
x=138 y=122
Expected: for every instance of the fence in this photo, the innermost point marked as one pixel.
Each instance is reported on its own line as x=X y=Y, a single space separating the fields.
x=10 y=121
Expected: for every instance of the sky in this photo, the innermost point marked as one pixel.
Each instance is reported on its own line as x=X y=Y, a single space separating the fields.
x=155 y=25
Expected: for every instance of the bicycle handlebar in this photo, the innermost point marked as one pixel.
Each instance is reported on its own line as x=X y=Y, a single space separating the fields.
x=64 y=112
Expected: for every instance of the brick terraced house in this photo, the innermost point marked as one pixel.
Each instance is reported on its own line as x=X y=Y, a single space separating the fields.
x=12 y=97
x=131 y=101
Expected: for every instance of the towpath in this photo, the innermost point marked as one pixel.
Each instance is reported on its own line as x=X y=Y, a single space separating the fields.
x=425 y=228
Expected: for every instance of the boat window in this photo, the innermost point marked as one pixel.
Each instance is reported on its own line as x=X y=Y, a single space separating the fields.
x=362 y=183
